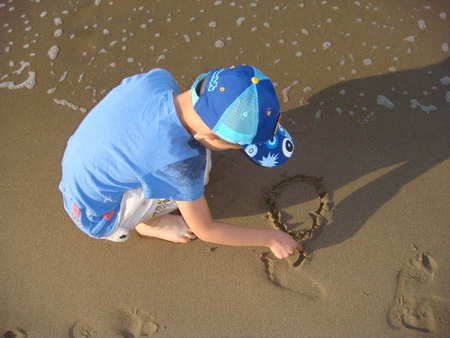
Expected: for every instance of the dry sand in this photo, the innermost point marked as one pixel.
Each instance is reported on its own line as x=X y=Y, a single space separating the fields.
x=365 y=92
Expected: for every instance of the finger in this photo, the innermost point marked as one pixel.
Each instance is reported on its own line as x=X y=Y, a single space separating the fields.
x=300 y=247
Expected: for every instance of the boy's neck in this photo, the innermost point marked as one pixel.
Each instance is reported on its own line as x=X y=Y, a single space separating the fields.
x=185 y=110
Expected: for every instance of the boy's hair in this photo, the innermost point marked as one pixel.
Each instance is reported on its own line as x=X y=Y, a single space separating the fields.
x=201 y=87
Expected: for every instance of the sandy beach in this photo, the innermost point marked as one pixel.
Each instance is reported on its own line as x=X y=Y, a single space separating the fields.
x=365 y=93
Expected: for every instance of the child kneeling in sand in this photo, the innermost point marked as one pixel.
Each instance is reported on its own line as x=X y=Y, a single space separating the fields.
x=144 y=151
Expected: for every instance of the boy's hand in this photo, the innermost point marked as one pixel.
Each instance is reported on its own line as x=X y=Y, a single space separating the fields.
x=283 y=245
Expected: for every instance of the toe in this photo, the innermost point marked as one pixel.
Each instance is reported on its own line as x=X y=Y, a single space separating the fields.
x=184 y=240
x=191 y=235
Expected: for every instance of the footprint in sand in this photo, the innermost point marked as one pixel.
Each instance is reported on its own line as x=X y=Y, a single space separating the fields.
x=16 y=333
x=414 y=307
x=283 y=274
x=122 y=322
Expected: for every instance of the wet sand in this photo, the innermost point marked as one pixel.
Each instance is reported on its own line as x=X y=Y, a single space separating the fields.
x=365 y=91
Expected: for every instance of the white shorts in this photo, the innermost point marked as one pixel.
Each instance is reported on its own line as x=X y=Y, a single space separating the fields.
x=135 y=209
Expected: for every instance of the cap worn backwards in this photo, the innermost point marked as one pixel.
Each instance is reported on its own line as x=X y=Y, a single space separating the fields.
x=240 y=105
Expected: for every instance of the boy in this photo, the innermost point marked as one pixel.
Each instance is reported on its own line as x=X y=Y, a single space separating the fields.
x=144 y=151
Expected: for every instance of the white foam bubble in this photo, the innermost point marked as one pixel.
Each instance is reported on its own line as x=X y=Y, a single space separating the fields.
x=23 y=65
x=443 y=16
x=53 y=52
x=219 y=44
x=52 y=90
x=327 y=45
x=384 y=101
x=305 y=31
x=212 y=24
x=367 y=62
x=160 y=58
x=410 y=38
x=29 y=83
x=64 y=76
x=187 y=38
x=422 y=24
x=58 y=21
x=285 y=93
x=69 y=104
x=445 y=80
x=218 y=2
x=427 y=109
x=445 y=47
x=58 y=32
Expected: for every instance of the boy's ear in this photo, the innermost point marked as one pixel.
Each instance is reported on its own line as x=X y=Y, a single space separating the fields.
x=205 y=136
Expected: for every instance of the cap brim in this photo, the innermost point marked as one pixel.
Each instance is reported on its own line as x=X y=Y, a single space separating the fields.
x=274 y=152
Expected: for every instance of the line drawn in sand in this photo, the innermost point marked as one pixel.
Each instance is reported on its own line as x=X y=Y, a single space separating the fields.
x=318 y=220
x=285 y=273
x=414 y=307
x=122 y=322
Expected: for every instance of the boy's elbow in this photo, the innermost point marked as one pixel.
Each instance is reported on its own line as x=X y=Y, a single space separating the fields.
x=204 y=233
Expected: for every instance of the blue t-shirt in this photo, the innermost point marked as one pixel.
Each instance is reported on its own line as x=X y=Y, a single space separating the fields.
x=132 y=138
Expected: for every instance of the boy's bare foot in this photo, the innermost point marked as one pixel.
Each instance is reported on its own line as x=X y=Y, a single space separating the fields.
x=171 y=228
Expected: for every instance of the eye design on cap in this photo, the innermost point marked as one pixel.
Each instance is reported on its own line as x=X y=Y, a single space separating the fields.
x=251 y=150
x=288 y=147
x=272 y=144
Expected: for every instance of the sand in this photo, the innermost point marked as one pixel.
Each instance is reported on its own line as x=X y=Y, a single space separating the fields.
x=365 y=91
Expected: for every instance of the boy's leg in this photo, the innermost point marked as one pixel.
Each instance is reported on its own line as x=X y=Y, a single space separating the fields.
x=147 y=214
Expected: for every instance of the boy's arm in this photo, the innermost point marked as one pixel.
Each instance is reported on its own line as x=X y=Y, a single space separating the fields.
x=198 y=217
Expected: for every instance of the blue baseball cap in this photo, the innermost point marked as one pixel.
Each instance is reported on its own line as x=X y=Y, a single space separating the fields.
x=240 y=105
